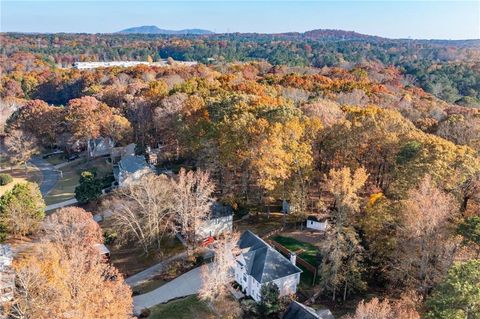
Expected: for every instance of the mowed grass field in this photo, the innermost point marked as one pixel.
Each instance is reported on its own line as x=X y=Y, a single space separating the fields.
x=308 y=251
x=65 y=188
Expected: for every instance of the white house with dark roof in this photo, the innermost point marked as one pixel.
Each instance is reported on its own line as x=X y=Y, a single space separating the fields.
x=297 y=310
x=220 y=221
x=259 y=264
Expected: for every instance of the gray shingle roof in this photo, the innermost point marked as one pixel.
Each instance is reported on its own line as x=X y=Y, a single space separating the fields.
x=132 y=163
x=262 y=261
x=220 y=210
x=297 y=310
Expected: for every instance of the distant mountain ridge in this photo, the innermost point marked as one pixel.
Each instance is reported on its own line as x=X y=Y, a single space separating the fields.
x=328 y=35
x=318 y=34
x=341 y=34
x=152 y=29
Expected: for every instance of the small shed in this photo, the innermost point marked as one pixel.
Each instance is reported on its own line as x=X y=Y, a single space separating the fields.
x=317 y=224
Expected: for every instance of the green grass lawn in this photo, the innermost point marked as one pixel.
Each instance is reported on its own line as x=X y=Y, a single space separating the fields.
x=309 y=253
x=306 y=278
x=187 y=308
x=65 y=188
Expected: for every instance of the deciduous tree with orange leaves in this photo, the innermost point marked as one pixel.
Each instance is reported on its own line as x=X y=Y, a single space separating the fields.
x=64 y=276
x=427 y=242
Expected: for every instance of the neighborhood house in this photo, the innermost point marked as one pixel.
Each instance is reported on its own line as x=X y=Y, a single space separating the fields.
x=219 y=222
x=97 y=147
x=259 y=264
x=131 y=168
x=297 y=310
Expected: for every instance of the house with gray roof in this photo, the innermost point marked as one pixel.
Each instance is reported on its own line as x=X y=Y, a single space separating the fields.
x=297 y=310
x=219 y=221
x=131 y=168
x=259 y=264
x=101 y=146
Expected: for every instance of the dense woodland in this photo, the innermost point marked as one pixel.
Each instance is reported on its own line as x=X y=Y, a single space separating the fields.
x=379 y=136
x=447 y=69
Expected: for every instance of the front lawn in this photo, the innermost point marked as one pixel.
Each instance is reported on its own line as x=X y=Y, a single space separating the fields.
x=186 y=308
x=65 y=188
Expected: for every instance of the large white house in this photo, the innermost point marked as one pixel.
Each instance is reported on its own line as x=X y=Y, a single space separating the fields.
x=259 y=264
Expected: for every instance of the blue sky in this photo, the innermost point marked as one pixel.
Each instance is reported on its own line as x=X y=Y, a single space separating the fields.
x=394 y=19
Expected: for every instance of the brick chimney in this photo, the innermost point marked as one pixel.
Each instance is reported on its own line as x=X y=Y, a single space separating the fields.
x=293 y=258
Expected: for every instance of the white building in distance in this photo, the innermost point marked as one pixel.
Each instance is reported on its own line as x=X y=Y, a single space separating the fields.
x=127 y=64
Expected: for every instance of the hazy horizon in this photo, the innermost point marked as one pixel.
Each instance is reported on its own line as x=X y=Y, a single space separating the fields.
x=455 y=20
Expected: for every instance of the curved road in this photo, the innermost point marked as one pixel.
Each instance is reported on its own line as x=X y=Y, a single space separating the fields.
x=49 y=173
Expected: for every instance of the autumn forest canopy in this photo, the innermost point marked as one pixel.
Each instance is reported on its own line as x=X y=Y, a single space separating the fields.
x=380 y=136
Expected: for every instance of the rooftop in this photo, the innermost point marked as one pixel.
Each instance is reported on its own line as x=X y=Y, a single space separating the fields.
x=220 y=210
x=262 y=261
x=297 y=310
x=132 y=163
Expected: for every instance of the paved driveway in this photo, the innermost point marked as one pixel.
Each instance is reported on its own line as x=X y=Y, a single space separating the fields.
x=151 y=272
x=187 y=284
x=68 y=202
x=49 y=173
